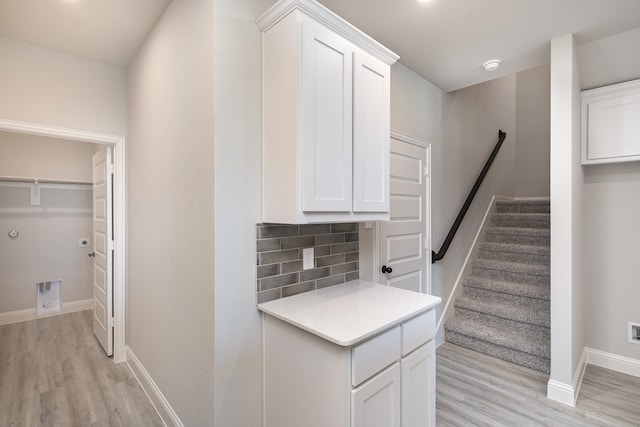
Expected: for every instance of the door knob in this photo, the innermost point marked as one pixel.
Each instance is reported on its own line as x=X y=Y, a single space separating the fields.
x=92 y=254
x=386 y=269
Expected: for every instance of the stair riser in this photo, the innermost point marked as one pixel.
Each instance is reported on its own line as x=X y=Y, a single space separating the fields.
x=530 y=361
x=520 y=223
x=518 y=300
x=530 y=291
x=517 y=239
x=515 y=207
x=509 y=276
x=514 y=257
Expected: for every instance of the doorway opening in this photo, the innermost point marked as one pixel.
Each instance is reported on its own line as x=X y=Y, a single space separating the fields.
x=117 y=143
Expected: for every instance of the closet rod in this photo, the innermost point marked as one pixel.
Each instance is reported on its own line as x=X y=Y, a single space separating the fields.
x=42 y=180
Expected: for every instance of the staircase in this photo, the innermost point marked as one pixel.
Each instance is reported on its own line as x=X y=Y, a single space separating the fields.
x=504 y=307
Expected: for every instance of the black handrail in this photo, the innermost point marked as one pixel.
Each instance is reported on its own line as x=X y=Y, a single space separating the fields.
x=456 y=224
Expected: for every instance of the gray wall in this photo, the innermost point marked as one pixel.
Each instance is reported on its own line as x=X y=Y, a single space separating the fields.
x=47 y=247
x=44 y=86
x=472 y=117
x=238 y=375
x=611 y=210
x=532 y=132
x=170 y=172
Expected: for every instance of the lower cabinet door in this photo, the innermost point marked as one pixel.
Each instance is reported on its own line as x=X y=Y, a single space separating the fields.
x=376 y=403
x=418 y=378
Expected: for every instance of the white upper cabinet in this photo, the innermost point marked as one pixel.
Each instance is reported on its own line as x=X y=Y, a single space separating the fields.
x=325 y=148
x=611 y=124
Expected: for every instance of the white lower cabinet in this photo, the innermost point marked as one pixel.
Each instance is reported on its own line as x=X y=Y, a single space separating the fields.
x=376 y=403
x=417 y=376
x=385 y=381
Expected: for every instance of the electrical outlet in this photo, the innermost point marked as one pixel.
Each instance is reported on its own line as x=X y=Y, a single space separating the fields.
x=307 y=259
x=634 y=333
x=83 y=242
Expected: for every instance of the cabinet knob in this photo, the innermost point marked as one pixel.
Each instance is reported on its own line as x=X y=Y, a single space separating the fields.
x=386 y=269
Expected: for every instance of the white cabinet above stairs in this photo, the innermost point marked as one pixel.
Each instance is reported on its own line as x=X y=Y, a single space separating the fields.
x=325 y=113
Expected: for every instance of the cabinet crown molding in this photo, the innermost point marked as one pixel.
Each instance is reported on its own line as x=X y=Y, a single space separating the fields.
x=330 y=20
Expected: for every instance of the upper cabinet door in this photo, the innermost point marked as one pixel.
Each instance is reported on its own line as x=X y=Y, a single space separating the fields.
x=327 y=70
x=370 y=134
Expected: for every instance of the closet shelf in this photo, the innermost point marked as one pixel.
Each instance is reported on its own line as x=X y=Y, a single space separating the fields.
x=36 y=184
x=28 y=180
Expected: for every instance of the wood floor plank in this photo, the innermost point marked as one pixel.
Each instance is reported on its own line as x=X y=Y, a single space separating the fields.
x=53 y=372
x=477 y=390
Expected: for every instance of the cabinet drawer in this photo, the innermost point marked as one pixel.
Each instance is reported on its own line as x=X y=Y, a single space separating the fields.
x=374 y=355
x=418 y=331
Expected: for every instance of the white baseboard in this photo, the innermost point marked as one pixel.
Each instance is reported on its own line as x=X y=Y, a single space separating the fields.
x=30 y=313
x=561 y=392
x=568 y=393
x=159 y=402
x=612 y=361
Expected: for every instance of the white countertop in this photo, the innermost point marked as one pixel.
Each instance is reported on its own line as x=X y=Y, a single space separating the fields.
x=351 y=312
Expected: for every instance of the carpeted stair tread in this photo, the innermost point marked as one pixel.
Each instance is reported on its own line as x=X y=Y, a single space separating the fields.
x=504 y=333
x=518 y=235
x=515 y=267
x=521 y=220
x=506 y=287
x=535 y=313
x=538 y=363
x=523 y=206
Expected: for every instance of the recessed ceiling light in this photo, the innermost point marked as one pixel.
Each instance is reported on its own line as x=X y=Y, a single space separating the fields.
x=491 y=65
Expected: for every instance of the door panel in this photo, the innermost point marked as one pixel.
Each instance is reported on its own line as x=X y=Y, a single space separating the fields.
x=418 y=387
x=103 y=249
x=371 y=89
x=404 y=244
x=376 y=403
x=327 y=143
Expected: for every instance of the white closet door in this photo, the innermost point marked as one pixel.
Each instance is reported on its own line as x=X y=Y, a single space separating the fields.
x=327 y=117
x=103 y=249
x=404 y=244
x=371 y=90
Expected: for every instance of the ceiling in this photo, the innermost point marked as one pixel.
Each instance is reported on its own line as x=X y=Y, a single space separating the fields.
x=445 y=41
x=107 y=31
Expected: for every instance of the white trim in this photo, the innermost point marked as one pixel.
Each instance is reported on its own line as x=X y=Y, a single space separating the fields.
x=568 y=393
x=396 y=134
x=622 y=364
x=545 y=198
x=561 y=392
x=466 y=264
x=119 y=216
x=153 y=392
x=58 y=132
x=30 y=313
x=329 y=19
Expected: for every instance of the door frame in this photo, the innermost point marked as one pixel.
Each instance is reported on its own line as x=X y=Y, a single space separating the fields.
x=119 y=212
x=422 y=143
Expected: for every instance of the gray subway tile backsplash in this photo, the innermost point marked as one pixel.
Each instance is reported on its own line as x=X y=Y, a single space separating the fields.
x=279 y=258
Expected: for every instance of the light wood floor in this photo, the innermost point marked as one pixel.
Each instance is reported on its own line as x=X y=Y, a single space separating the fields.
x=53 y=372
x=476 y=390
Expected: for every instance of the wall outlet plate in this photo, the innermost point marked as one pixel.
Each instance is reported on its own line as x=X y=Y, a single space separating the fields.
x=307 y=259
x=634 y=333
x=83 y=242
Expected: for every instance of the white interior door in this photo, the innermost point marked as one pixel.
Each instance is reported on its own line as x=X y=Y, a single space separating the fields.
x=404 y=240
x=103 y=249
